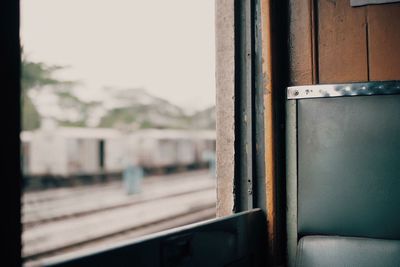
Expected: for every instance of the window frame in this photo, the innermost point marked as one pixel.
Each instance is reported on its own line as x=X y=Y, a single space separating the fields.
x=244 y=45
x=10 y=191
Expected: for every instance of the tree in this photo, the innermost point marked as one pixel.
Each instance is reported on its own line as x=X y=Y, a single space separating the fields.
x=34 y=76
x=30 y=115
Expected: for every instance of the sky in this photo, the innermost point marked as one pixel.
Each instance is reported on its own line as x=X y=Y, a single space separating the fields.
x=164 y=46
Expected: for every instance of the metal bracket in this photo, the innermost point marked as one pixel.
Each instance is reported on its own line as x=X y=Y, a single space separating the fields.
x=339 y=90
x=355 y=3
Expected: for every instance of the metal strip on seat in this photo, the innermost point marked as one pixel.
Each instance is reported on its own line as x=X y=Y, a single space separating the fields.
x=355 y=3
x=339 y=90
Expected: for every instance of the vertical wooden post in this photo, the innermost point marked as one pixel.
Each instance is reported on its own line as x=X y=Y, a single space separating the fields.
x=270 y=183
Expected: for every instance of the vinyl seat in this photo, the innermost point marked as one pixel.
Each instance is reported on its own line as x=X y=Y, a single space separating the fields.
x=329 y=251
x=344 y=176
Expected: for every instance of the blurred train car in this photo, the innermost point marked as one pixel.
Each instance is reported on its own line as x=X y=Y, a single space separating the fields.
x=170 y=149
x=26 y=141
x=62 y=152
x=154 y=149
x=205 y=146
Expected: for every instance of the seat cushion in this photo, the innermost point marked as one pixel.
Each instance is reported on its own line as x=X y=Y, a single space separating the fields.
x=332 y=251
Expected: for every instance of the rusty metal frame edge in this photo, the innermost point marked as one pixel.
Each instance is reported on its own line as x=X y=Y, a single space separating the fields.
x=249 y=108
x=346 y=89
x=243 y=181
x=259 y=111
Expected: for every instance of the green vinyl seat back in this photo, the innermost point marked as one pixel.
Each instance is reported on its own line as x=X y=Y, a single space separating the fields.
x=348 y=174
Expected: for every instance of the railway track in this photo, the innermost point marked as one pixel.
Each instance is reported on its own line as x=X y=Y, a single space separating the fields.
x=71 y=228
x=47 y=195
x=118 y=238
x=103 y=199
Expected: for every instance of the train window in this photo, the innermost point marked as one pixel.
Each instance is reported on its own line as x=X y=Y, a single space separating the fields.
x=118 y=121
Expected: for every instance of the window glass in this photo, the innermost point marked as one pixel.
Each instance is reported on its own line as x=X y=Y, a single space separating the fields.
x=118 y=121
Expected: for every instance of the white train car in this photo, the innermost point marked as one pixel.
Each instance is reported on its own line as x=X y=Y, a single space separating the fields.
x=83 y=152
x=26 y=141
x=154 y=149
x=118 y=153
x=65 y=152
x=186 y=151
x=205 y=141
x=166 y=148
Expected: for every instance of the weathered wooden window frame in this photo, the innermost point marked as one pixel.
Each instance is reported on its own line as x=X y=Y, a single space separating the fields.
x=240 y=107
x=251 y=112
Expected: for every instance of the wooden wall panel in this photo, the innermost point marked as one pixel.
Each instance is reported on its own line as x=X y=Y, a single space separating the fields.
x=300 y=42
x=342 y=42
x=384 y=42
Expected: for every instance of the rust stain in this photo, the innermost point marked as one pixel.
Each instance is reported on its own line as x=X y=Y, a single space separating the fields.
x=268 y=126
